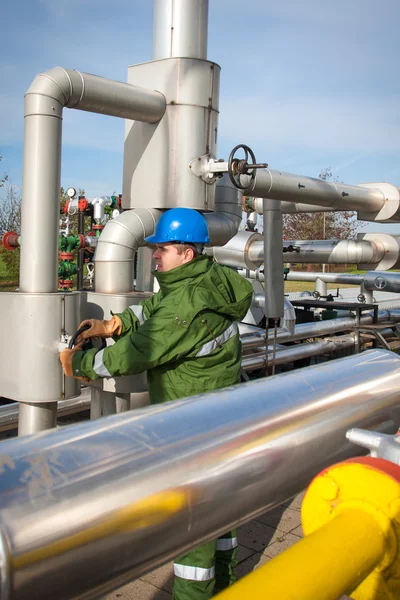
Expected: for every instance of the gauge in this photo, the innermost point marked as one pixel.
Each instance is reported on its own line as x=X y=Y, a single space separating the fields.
x=115 y=213
x=71 y=192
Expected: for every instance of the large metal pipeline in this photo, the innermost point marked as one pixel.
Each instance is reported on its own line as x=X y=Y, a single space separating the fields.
x=48 y=94
x=86 y=509
x=246 y=250
x=374 y=201
x=325 y=251
x=312 y=276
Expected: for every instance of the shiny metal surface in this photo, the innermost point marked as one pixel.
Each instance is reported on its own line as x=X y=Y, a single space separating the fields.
x=157 y=158
x=30 y=369
x=235 y=253
x=45 y=99
x=326 y=251
x=273 y=259
x=382 y=281
x=223 y=224
x=300 y=351
x=180 y=29
x=115 y=251
x=278 y=185
x=9 y=413
x=36 y=417
x=88 y=508
x=316 y=329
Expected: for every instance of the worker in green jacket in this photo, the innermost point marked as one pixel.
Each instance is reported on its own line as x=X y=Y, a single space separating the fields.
x=186 y=337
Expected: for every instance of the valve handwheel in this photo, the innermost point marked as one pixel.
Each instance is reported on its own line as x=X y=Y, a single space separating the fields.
x=87 y=344
x=238 y=167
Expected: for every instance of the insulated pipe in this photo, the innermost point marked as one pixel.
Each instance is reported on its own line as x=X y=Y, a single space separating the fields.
x=294 y=207
x=116 y=248
x=277 y=185
x=223 y=224
x=336 y=251
x=382 y=281
x=48 y=94
x=309 y=276
x=180 y=29
x=326 y=251
x=119 y=496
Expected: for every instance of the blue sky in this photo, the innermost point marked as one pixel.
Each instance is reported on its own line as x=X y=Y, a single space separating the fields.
x=308 y=84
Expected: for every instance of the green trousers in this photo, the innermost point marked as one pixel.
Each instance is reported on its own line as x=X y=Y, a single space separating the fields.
x=206 y=570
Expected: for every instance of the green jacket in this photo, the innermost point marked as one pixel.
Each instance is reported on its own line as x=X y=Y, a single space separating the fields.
x=185 y=336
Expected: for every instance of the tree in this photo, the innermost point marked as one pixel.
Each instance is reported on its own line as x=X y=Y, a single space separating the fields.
x=10 y=209
x=4 y=177
x=321 y=225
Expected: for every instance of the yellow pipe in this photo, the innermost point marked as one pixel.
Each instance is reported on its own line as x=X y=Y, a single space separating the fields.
x=330 y=562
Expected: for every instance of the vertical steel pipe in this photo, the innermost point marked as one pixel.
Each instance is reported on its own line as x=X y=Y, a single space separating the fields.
x=36 y=417
x=40 y=194
x=180 y=29
x=273 y=260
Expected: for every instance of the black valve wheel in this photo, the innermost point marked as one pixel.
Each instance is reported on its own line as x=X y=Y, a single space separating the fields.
x=87 y=344
x=241 y=166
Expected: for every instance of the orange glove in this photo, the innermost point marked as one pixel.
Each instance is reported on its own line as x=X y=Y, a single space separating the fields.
x=66 y=361
x=98 y=328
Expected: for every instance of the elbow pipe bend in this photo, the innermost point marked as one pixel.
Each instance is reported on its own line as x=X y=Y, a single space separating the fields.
x=83 y=91
x=117 y=245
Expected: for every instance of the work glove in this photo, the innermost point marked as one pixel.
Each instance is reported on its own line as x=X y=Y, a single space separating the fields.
x=98 y=328
x=66 y=361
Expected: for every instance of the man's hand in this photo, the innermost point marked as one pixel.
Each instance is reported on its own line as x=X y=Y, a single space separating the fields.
x=66 y=361
x=103 y=329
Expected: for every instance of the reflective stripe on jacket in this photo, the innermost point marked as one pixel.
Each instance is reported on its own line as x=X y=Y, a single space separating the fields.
x=185 y=336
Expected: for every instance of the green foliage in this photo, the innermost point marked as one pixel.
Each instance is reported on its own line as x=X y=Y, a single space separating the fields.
x=9 y=264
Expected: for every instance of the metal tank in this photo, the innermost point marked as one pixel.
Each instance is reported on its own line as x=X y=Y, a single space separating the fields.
x=157 y=157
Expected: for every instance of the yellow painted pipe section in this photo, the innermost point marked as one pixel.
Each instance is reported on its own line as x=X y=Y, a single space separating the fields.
x=327 y=564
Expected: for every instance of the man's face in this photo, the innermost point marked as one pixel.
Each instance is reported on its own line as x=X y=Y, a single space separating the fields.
x=167 y=257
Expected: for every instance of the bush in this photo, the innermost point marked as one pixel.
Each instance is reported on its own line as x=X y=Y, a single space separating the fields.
x=9 y=264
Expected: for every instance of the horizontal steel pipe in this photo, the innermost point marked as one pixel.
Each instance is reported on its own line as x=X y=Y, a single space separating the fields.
x=298 y=352
x=277 y=185
x=324 y=251
x=317 y=329
x=343 y=278
x=86 y=509
x=382 y=281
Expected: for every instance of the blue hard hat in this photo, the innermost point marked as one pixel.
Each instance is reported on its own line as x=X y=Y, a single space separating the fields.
x=183 y=225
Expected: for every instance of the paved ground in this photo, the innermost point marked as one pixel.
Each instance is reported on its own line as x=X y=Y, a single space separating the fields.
x=259 y=541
